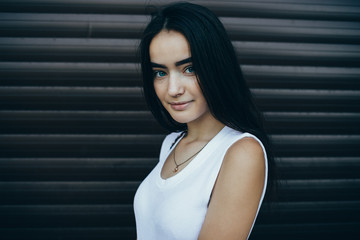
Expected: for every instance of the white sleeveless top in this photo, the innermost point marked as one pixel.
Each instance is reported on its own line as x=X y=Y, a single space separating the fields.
x=175 y=208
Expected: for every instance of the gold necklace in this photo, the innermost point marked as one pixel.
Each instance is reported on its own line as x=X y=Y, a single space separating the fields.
x=177 y=165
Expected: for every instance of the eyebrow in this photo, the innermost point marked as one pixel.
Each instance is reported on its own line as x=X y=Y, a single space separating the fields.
x=179 y=63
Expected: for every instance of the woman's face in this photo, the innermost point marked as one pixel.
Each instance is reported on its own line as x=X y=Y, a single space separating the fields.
x=175 y=81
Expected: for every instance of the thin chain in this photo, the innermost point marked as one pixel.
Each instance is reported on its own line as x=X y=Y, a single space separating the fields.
x=177 y=165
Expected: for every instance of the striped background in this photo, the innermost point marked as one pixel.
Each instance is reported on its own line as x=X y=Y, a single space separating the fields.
x=76 y=137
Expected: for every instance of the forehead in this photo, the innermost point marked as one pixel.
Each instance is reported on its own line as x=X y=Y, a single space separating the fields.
x=169 y=47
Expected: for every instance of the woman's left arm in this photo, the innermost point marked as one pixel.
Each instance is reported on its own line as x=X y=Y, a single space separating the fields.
x=237 y=192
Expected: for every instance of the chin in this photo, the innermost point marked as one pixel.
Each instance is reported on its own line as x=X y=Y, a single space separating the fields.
x=181 y=119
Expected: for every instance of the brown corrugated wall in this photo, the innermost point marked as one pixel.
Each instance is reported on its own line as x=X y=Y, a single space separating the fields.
x=76 y=137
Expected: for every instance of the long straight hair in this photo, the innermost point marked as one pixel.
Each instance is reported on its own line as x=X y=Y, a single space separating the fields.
x=216 y=66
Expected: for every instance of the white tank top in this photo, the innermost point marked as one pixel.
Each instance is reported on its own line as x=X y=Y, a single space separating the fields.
x=175 y=208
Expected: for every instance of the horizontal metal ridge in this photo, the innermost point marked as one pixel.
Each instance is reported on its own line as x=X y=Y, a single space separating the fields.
x=288 y=30
x=318 y=168
x=130 y=98
x=133 y=161
x=313 y=190
x=133 y=115
x=136 y=169
x=336 y=230
x=79 y=98
x=52 y=18
x=131 y=26
x=306 y=100
x=86 y=145
x=131 y=90
x=68 y=50
x=137 y=122
x=332 y=161
x=69 y=208
x=260 y=232
x=125 y=138
x=301 y=77
x=124 y=50
x=127 y=69
x=69 y=74
x=122 y=192
x=79 y=122
x=321 y=183
x=306 y=54
x=60 y=90
x=73 y=186
x=312 y=122
x=36 y=114
x=345 y=10
x=72 y=25
x=127 y=74
x=76 y=169
x=316 y=145
x=75 y=216
x=69 y=233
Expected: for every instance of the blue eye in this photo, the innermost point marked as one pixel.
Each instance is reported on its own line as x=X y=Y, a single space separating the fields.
x=189 y=69
x=159 y=74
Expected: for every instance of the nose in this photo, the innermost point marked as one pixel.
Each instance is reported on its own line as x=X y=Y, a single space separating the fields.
x=175 y=87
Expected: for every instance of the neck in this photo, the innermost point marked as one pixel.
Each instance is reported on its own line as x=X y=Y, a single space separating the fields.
x=204 y=130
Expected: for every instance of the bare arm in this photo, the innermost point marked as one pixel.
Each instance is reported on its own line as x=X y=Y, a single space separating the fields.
x=237 y=193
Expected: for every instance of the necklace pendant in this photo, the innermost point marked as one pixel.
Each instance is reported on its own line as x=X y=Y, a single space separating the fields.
x=175 y=169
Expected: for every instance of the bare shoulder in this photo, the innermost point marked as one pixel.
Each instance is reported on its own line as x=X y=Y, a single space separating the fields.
x=246 y=152
x=237 y=192
x=244 y=166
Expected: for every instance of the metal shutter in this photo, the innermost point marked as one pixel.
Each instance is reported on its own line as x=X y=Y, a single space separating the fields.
x=76 y=138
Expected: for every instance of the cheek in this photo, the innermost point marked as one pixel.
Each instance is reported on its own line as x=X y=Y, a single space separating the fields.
x=203 y=102
x=199 y=92
x=159 y=91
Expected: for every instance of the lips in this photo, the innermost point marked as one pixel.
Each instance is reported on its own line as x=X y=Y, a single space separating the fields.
x=179 y=106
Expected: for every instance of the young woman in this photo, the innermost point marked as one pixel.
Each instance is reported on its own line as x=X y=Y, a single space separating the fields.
x=213 y=168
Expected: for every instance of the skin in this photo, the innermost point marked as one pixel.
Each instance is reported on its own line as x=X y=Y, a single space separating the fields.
x=239 y=185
